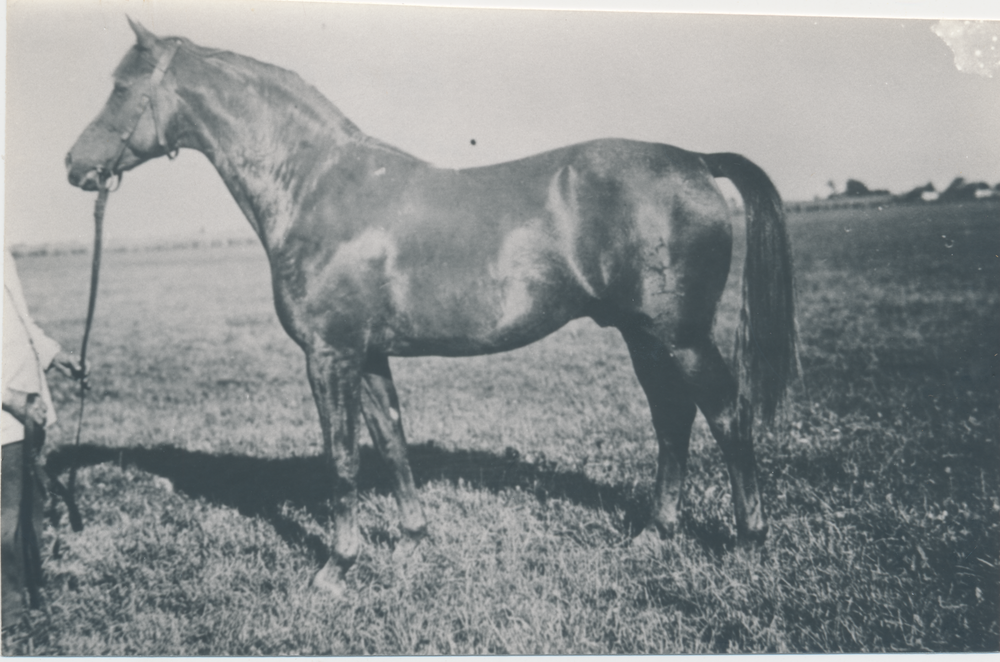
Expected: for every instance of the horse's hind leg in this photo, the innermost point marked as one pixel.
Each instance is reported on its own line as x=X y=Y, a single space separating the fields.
x=708 y=382
x=673 y=411
x=380 y=407
x=714 y=389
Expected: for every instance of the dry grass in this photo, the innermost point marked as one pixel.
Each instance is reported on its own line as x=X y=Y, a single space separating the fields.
x=205 y=518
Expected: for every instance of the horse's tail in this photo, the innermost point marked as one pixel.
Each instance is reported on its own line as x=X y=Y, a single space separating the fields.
x=766 y=354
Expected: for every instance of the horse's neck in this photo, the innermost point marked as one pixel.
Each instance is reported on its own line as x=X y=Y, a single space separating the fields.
x=269 y=135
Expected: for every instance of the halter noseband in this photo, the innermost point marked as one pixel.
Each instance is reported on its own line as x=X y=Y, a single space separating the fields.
x=147 y=102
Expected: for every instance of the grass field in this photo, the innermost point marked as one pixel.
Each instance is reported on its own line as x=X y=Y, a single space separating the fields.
x=205 y=520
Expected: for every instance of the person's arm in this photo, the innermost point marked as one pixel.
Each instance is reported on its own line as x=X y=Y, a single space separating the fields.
x=47 y=348
x=52 y=355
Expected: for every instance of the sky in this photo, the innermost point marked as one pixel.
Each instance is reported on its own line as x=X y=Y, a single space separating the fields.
x=810 y=99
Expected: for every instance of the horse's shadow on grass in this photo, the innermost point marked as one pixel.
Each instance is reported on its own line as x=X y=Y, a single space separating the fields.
x=260 y=487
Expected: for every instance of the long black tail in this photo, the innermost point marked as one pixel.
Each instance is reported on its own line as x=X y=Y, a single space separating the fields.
x=766 y=355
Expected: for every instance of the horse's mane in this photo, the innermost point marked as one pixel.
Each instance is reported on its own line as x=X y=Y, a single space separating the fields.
x=290 y=84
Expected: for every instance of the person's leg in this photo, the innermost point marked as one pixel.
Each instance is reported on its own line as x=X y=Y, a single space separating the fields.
x=12 y=489
x=32 y=507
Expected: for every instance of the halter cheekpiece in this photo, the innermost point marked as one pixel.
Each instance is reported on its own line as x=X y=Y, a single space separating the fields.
x=147 y=102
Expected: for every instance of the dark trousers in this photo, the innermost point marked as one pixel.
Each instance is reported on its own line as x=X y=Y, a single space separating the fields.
x=21 y=523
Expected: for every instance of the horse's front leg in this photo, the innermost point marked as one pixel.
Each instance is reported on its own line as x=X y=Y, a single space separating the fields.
x=335 y=376
x=380 y=406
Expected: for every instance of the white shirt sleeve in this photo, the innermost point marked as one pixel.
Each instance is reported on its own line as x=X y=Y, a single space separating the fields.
x=27 y=352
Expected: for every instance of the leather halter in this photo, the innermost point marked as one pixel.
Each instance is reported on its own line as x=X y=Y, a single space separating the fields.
x=147 y=102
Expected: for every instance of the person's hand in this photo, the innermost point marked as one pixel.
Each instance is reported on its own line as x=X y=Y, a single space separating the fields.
x=23 y=406
x=69 y=365
x=36 y=410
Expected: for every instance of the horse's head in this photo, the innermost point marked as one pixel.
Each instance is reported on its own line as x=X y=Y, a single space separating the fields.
x=132 y=128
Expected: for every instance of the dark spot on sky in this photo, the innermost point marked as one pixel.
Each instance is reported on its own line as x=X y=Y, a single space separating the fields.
x=472 y=142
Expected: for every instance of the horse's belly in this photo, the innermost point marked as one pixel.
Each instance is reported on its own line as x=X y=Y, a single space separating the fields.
x=465 y=297
x=469 y=318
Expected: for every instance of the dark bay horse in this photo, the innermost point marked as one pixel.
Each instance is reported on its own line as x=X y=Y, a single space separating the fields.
x=375 y=253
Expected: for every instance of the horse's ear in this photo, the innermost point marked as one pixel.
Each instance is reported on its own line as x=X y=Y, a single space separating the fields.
x=146 y=39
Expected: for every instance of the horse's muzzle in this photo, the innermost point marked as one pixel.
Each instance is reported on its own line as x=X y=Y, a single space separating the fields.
x=86 y=178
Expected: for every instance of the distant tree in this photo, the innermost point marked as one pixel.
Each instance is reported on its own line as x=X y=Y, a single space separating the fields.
x=917 y=193
x=959 y=189
x=953 y=188
x=856 y=189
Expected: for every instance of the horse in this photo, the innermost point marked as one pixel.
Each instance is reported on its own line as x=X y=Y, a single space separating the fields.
x=376 y=253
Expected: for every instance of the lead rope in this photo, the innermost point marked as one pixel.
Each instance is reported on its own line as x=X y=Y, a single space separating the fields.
x=103 y=177
x=76 y=522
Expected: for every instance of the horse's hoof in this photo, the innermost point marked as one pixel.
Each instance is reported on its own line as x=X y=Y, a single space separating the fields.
x=651 y=538
x=330 y=580
x=752 y=539
x=408 y=547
